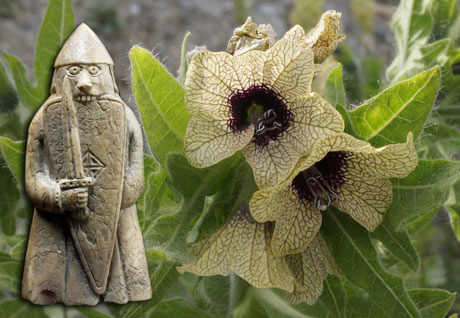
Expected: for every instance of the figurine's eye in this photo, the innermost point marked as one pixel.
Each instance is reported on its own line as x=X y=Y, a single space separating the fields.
x=74 y=70
x=94 y=70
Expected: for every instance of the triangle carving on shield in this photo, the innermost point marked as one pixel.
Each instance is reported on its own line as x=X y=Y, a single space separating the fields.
x=92 y=166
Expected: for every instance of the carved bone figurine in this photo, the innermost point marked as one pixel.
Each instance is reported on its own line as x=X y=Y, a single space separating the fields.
x=84 y=174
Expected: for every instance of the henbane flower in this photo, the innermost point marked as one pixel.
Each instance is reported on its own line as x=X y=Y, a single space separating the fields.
x=260 y=102
x=242 y=246
x=341 y=171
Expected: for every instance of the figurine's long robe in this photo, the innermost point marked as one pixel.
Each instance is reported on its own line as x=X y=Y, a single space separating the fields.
x=53 y=272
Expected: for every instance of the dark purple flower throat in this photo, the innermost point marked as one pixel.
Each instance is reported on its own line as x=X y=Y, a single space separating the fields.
x=319 y=184
x=261 y=106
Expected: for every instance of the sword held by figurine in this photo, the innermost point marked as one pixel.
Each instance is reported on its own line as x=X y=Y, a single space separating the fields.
x=73 y=158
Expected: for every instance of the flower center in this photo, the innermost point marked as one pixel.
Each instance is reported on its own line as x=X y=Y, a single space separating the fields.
x=262 y=107
x=320 y=183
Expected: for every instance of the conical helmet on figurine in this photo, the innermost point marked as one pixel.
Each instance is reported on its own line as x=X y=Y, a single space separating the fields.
x=87 y=63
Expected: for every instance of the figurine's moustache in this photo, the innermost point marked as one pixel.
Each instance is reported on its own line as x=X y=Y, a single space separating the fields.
x=85 y=98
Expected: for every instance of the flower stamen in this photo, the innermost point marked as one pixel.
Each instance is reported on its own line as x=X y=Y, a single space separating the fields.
x=262 y=107
x=319 y=184
x=269 y=117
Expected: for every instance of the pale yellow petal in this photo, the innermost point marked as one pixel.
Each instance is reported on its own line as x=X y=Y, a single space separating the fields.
x=314 y=118
x=212 y=77
x=325 y=37
x=296 y=227
x=337 y=142
x=392 y=161
x=242 y=246
x=272 y=163
x=289 y=69
x=208 y=141
x=310 y=268
x=365 y=200
x=268 y=205
x=208 y=86
x=296 y=34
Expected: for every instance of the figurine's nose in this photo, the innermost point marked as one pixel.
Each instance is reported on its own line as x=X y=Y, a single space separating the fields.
x=84 y=82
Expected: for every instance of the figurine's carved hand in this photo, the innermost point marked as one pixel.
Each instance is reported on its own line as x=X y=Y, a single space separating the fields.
x=74 y=199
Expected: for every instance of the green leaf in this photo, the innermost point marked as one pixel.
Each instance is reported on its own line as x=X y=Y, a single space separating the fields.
x=10 y=276
x=91 y=312
x=398 y=243
x=8 y=242
x=449 y=107
x=169 y=232
x=359 y=304
x=454 y=214
x=183 y=59
x=56 y=27
x=331 y=303
x=156 y=192
x=418 y=223
x=160 y=99
x=349 y=128
x=439 y=142
x=11 y=126
x=30 y=96
x=8 y=96
x=178 y=307
x=398 y=110
x=9 y=201
x=333 y=297
x=425 y=31
x=335 y=92
x=163 y=274
x=18 y=252
x=20 y=308
x=237 y=187
x=452 y=206
x=443 y=13
x=4 y=257
x=356 y=257
x=265 y=302
x=412 y=25
x=13 y=152
x=423 y=190
x=432 y=303
x=217 y=293
x=438 y=52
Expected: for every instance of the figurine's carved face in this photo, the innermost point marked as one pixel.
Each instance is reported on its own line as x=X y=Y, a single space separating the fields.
x=87 y=80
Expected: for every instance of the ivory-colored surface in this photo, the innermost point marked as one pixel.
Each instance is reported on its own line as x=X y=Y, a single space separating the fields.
x=84 y=174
